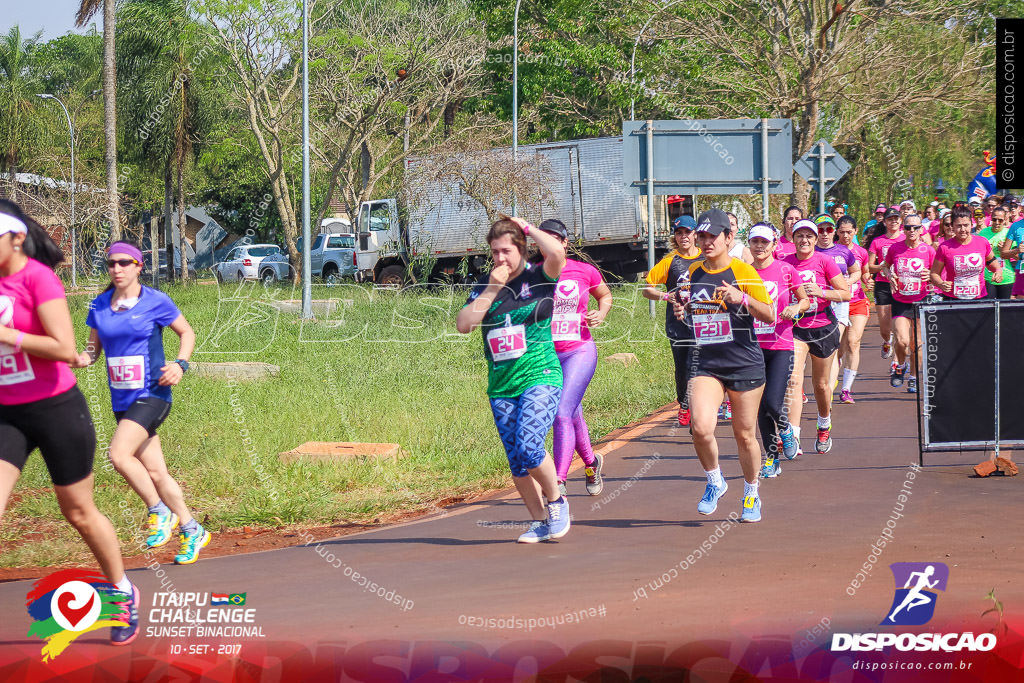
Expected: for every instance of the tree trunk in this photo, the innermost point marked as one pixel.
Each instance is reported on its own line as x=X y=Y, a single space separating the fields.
x=154 y=250
x=168 y=218
x=804 y=142
x=365 y=161
x=182 y=221
x=110 y=120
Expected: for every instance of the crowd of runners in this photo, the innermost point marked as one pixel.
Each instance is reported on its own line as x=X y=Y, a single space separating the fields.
x=742 y=321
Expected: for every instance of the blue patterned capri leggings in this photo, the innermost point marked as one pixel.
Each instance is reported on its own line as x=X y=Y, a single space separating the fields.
x=523 y=423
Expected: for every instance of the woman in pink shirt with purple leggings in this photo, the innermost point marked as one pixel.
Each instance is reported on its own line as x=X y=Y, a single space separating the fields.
x=577 y=353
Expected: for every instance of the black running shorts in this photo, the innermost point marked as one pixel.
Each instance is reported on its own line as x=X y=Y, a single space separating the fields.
x=883 y=294
x=902 y=310
x=733 y=383
x=822 y=341
x=59 y=426
x=149 y=413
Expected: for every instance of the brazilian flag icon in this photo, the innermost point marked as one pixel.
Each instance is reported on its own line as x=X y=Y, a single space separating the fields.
x=237 y=599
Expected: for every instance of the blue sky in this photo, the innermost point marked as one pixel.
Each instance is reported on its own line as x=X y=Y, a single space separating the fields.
x=52 y=17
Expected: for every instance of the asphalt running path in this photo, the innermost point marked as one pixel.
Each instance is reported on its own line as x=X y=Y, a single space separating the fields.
x=778 y=577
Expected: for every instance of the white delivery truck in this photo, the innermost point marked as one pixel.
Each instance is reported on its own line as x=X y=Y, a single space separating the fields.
x=446 y=228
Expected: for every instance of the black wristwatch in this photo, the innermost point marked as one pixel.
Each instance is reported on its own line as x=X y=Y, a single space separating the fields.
x=183 y=364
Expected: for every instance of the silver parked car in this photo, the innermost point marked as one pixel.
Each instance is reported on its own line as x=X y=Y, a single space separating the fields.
x=243 y=262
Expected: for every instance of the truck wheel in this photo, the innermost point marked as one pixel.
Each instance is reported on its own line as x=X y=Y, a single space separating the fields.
x=331 y=276
x=267 y=276
x=240 y=277
x=219 y=276
x=392 y=276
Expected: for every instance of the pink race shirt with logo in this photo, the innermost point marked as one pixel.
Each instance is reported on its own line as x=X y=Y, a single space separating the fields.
x=25 y=378
x=910 y=265
x=781 y=280
x=880 y=247
x=819 y=269
x=572 y=294
x=783 y=248
x=856 y=288
x=965 y=266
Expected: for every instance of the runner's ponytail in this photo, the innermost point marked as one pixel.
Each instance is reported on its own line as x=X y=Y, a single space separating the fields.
x=38 y=244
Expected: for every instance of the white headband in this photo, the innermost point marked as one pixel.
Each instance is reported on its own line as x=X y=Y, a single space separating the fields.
x=9 y=223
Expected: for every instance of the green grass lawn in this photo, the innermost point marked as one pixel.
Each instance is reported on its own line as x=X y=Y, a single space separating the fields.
x=382 y=367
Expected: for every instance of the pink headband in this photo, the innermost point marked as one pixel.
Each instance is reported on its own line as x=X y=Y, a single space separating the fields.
x=125 y=248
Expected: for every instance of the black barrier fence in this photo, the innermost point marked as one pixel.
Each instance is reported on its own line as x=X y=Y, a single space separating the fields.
x=972 y=375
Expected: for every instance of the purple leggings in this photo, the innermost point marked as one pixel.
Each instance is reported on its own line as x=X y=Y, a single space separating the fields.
x=571 y=432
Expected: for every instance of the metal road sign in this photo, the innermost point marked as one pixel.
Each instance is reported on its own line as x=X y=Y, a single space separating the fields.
x=809 y=165
x=710 y=156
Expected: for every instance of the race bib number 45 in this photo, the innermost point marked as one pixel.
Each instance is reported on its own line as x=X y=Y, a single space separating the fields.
x=126 y=372
x=714 y=328
x=507 y=343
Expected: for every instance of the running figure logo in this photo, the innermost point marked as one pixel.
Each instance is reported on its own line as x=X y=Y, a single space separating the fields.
x=916 y=586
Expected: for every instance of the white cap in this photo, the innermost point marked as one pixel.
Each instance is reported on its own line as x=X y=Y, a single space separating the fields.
x=763 y=231
x=905 y=202
x=9 y=223
x=934 y=204
x=975 y=199
x=805 y=224
x=945 y=212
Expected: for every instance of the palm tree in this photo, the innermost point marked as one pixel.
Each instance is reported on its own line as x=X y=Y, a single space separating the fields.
x=86 y=11
x=17 y=98
x=168 y=103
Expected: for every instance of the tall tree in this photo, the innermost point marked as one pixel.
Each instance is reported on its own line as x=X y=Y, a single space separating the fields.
x=86 y=10
x=386 y=73
x=18 y=88
x=831 y=67
x=261 y=39
x=168 y=104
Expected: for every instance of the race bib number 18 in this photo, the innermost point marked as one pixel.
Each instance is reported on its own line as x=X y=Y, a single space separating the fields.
x=565 y=327
x=126 y=372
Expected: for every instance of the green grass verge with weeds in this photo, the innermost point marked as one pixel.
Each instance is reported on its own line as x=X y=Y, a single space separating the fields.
x=374 y=366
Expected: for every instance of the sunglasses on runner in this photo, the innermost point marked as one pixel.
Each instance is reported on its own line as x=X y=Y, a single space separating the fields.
x=908 y=228
x=826 y=228
x=123 y=262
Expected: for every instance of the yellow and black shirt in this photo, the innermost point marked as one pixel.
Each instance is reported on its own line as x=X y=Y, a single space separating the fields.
x=725 y=344
x=673 y=271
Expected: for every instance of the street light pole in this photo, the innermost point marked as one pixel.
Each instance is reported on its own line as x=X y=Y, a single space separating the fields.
x=307 y=283
x=515 y=99
x=71 y=132
x=632 y=58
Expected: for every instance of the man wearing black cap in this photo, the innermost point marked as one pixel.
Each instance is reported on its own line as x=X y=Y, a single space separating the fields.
x=726 y=295
x=673 y=271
